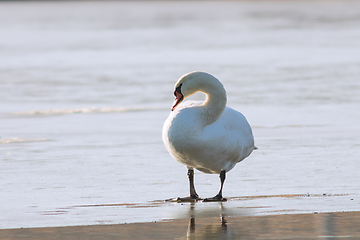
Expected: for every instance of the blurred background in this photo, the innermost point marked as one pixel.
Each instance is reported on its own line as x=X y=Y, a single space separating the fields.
x=85 y=87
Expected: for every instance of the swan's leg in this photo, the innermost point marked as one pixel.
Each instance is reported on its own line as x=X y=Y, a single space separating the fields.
x=193 y=195
x=218 y=197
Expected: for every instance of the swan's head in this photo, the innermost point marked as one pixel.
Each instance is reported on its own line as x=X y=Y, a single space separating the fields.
x=191 y=83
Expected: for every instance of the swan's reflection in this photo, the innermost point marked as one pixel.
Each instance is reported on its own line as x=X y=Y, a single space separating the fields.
x=204 y=223
x=215 y=230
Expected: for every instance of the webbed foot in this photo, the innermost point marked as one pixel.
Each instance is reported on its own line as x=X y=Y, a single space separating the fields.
x=189 y=199
x=217 y=198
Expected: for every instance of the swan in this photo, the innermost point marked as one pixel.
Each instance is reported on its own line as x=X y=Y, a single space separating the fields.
x=207 y=136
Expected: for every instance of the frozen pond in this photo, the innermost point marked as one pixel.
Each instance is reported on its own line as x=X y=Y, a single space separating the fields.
x=86 y=87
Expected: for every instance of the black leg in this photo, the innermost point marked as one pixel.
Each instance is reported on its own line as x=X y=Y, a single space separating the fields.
x=193 y=195
x=218 y=197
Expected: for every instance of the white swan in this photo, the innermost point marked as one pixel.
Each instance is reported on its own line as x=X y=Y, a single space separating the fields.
x=206 y=135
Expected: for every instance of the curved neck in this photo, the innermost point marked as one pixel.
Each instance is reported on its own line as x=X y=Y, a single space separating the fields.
x=215 y=102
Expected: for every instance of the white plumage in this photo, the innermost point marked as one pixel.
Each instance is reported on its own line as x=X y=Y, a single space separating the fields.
x=206 y=135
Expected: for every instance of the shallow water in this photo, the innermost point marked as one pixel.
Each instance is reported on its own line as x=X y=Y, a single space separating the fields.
x=86 y=87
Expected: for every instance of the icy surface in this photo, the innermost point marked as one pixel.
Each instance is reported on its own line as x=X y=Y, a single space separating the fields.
x=86 y=86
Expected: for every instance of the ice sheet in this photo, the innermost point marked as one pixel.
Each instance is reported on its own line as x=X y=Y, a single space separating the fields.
x=86 y=87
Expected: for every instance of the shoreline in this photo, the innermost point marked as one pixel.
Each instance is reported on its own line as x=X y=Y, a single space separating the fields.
x=313 y=225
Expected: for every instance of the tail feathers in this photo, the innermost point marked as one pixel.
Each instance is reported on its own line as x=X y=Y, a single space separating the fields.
x=255 y=148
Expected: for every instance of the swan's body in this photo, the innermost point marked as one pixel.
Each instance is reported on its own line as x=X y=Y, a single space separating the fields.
x=206 y=135
x=211 y=148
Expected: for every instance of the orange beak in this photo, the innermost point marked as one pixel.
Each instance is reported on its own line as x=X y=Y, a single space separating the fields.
x=178 y=99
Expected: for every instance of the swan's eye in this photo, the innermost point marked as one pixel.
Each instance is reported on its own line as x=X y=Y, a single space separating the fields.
x=178 y=89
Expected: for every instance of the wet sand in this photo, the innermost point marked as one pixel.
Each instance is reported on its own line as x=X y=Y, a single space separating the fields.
x=286 y=226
